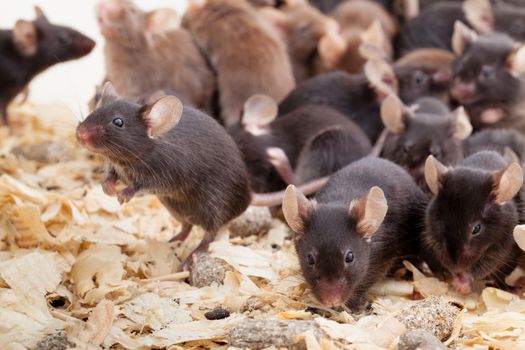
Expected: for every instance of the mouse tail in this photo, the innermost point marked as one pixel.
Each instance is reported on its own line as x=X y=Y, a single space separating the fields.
x=276 y=198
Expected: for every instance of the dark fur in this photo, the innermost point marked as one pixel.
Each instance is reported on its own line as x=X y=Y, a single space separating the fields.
x=330 y=231
x=496 y=140
x=501 y=90
x=464 y=200
x=195 y=169
x=352 y=95
x=55 y=44
x=293 y=133
x=428 y=132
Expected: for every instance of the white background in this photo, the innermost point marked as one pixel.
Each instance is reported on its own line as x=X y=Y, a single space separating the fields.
x=71 y=83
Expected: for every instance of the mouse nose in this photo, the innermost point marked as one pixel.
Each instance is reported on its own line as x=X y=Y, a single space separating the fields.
x=331 y=293
x=83 y=136
x=463 y=90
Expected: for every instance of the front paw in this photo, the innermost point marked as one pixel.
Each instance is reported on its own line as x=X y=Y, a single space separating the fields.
x=109 y=188
x=125 y=195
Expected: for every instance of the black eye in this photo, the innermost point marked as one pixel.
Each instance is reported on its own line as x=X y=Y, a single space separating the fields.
x=486 y=72
x=310 y=259
x=118 y=122
x=476 y=229
x=420 y=78
x=349 y=257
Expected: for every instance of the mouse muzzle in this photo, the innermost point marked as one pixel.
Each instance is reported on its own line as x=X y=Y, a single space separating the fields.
x=331 y=293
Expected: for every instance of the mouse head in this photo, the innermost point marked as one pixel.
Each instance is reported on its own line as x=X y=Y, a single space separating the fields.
x=426 y=128
x=472 y=212
x=486 y=70
x=48 y=43
x=122 y=130
x=334 y=242
x=122 y=20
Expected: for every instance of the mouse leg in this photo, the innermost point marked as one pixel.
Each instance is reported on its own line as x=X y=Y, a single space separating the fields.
x=183 y=234
x=108 y=186
x=281 y=163
x=126 y=194
x=209 y=236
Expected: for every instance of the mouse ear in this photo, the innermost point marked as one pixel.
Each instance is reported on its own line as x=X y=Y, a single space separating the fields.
x=162 y=20
x=163 y=115
x=507 y=183
x=510 y=156
x=297 y=209
x=434 y=173
x=407 y=8
x=463 y=36
x=25 y=38
x=393 y=114
x=516 y=60
x=259 y=111
x=463 y=128
x=40 y=14
x=332 y=46
x=369 y=211
x=107 y=95
x=519 y=236
x=480 y=15
x=381 y=77
x=374 y=42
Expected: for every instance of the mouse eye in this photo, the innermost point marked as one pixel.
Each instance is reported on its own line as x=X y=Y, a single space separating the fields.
x=487 y=72
x=420 y=78
x=310 y=259
x=349 y=257
x=476 y=229
x=118 y=122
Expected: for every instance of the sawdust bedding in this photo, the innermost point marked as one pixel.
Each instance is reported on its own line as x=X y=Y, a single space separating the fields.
x=77 y=270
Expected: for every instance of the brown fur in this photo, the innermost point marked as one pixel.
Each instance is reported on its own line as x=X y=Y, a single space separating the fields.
x=141 y=60
x=248 y=57
x=355 y=17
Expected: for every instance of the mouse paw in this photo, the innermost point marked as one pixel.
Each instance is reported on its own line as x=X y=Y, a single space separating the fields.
x=125 y=195
x=108 y=187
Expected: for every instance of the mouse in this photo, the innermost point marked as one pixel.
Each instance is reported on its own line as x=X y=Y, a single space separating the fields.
x=32 y=47
x=146 y=148
x=355 y=229
x=365 y=25
x=358 y=96
x=487 y=79
x=471 y=217
x=425 y=128
x=136 y=41
x=250 y=61
x=499 y=140
x=308 y=143
x=312 y=38
x=434 y=26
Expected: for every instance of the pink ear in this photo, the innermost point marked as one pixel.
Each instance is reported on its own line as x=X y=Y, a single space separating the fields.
x=393 y=114
x=381 y=77
x=162 y=20
x=296 y=209
x=163 y=116
x=107 y=95
x=25 y=38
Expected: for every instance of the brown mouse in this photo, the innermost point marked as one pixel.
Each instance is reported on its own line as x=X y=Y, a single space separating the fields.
x=148 y=51
x=365 y=219
x=308 y=143
x=470 y=219
x=30 y=48
x=312 y=38
x=248 y=57
x=425 y=128
x=487 y=79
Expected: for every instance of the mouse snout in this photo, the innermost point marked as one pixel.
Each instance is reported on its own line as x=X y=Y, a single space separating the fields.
x=331 y=293
x=463 y=90
x=86 y=136
x=84 y=45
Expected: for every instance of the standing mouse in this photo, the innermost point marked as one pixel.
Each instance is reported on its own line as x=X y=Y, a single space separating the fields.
x=469 y=221
x=308 y=143
x=30 y=48
x=147 y=51
x=367 y=217
x=173 y=151
x=488 y=80
x=426 y=128
x=248 y=57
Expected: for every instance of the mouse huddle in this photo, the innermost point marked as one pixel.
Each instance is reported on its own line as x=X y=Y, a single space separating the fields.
x=404 y=120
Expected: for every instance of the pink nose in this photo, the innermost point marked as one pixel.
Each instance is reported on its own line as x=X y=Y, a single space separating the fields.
x=84 y=136
x=463 y=90
x=331 y=293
